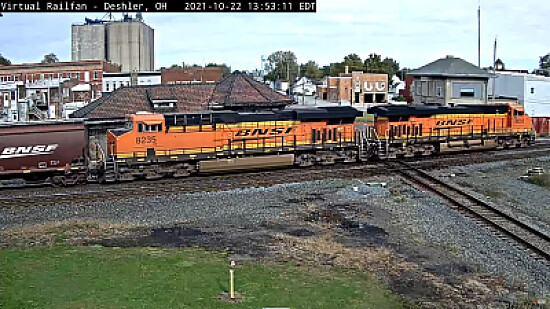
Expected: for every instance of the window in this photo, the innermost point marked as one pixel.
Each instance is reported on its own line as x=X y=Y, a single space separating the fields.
x=425 y=88
x=69 y=75
x=418 y=88
x=1 y=78
x=96 y=75
x=439 y=92
x=431 y=89
x=144 y=128
x=532 y=90
x=16 y=78
x=51 y=75
x=467 y=92
x=518 y=113
x=106 y=86
x=41 y=76
x=78 y=75
x=10 y=78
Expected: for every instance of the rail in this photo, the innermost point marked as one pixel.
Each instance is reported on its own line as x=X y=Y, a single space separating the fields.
x=513 y=228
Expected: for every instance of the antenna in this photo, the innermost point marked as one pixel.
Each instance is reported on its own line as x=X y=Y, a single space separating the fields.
x=479 y=33
x=494 y=67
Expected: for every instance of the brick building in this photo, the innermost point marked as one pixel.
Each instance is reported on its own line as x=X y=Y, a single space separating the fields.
x=356 y=88
x=191 y=75
x=39 y=90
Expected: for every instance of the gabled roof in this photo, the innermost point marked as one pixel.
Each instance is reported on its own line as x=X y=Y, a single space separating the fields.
x=241 y=90
x=129 y=100
x=237 y=90
x=450 y=67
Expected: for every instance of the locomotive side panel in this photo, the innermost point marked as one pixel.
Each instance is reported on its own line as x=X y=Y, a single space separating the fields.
x=27 y=150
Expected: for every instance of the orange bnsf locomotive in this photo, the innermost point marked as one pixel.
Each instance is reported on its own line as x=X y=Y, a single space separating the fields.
x=152 y=146
x=424 y=130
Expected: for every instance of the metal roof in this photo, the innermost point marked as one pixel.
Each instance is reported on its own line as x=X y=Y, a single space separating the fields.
x=451 y=67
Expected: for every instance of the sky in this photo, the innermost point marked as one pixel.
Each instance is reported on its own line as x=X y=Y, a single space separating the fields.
x=413 y=33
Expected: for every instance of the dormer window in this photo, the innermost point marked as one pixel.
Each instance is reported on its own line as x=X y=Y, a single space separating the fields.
x=164 y=104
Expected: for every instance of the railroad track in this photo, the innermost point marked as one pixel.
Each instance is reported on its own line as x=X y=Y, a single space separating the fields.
x=46 y=196
x=513 y=229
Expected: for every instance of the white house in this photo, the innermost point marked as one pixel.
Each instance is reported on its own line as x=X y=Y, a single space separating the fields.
x=113 y=81
x=304 y=86
x=532 y=91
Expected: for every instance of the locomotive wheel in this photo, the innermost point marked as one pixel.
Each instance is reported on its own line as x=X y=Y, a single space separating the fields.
x=183 y=170
x=350 y=156
x=328 y=160
x=409 y=152
x=305 y=160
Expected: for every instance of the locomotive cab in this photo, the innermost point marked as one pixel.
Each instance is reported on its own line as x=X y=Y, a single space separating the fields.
x=518 y=119
x=140 y=133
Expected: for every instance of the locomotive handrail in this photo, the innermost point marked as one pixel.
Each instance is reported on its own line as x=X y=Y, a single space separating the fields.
x=103 y=157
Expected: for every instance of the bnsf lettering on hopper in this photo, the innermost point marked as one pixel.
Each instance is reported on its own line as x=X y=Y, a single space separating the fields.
x=15 y=152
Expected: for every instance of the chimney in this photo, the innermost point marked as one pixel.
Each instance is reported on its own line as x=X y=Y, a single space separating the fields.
x=347 y=69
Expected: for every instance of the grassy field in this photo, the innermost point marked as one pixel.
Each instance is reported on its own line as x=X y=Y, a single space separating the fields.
x=541 y=180
x=65 y=277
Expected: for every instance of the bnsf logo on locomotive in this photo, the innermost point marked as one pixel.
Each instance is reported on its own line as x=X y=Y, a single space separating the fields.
x=24 y=151
x=262 y=132
x=454 y=122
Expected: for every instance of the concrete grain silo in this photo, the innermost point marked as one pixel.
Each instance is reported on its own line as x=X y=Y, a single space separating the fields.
x=128 y=42
x=131 y=44
x=88 y=41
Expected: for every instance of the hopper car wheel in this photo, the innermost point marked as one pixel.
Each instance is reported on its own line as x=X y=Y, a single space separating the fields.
x=58 y=181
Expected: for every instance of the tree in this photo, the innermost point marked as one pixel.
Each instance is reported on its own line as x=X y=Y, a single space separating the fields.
x=4 y=61
x=50 y=58
x=176 y=66
x=226 y=70
x=375 y=64
x=282 y=65
x=353 y=62
x=336 y=68
x=544 y=62
x=311 y=70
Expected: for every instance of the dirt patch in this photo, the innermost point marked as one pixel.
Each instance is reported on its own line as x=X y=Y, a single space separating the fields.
x=71 y=232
